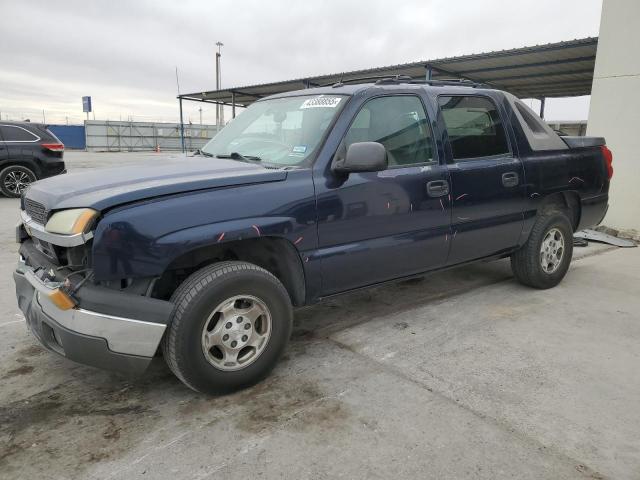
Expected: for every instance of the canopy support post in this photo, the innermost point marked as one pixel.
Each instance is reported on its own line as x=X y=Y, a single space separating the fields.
x=181 y=125
x=233 y=104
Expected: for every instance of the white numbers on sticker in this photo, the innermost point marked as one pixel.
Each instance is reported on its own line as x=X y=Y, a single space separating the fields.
x=321 y=102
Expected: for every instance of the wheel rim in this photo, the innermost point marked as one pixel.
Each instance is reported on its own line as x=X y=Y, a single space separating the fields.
x=552 y=250
x=16 y=181
x=236 y=332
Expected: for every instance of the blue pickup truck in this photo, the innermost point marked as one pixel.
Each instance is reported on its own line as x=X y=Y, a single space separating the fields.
x=304 y=195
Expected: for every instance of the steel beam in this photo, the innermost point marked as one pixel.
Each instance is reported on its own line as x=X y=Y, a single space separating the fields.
x=589 y=42
x=531 y=65
x=191 y=99
x=568 y=83
x=537 y=75
x=254 y=95
x=538 y=91
x=549 y=93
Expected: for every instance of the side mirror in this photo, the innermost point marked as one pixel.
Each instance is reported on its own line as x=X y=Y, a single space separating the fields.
x=361 y=157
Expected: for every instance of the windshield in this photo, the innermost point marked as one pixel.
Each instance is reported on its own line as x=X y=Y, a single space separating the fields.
x=281 y=132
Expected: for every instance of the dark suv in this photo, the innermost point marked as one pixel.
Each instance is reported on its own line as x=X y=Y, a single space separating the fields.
x=28 y=152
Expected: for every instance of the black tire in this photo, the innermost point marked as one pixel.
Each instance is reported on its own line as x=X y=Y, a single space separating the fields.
x=9 y=186
x=527 y=264
x=194 y=302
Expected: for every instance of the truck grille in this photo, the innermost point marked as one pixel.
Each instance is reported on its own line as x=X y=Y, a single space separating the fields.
x=36 y=211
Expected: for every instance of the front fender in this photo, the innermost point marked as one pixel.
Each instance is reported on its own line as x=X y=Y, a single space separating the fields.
x=137 y=256
x=176 y=244
x=141 y=240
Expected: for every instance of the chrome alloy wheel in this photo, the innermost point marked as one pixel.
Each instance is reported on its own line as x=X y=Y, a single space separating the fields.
x=17 y=181
x=552 y=250
x=236 y=332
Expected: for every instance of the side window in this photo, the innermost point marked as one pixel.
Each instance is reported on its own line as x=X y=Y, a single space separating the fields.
x=397 y=122
x=474 y=127
x=16 y=134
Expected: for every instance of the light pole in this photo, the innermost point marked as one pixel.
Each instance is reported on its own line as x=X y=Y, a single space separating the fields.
x=219 y=110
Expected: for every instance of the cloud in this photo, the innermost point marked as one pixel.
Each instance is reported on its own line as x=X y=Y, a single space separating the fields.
x=124 y=53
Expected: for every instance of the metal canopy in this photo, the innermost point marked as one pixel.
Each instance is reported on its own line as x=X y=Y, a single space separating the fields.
x=563 y=69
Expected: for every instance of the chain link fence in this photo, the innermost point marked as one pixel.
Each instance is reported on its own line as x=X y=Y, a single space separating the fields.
x=119 y=136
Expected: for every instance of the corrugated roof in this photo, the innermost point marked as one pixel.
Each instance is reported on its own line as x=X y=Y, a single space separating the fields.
x=563 y=69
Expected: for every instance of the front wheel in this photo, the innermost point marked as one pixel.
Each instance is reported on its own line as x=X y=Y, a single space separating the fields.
x=230 y=324
x=544 y=260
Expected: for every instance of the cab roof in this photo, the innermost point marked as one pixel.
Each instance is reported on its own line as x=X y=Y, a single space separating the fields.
x=351 y=89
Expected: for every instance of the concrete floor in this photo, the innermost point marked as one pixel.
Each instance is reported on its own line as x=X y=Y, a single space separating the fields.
x=465 y=374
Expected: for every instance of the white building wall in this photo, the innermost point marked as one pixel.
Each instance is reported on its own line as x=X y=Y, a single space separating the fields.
x=614 y=111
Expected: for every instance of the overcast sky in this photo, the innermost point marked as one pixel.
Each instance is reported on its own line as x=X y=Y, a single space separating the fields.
x=124 y=53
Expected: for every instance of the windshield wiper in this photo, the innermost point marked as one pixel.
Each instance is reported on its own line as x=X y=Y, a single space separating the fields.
x=204 y=154
x=239 y=156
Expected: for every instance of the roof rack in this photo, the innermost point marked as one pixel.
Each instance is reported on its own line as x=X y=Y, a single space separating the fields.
x=377 y=78
x=396 y=79
x=458 y=82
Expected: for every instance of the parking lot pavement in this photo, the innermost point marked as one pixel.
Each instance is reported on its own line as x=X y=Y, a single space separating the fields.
x=464 y=374
x=77 y=160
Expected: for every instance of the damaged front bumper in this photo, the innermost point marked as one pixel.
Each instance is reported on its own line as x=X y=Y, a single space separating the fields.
x=122 y=333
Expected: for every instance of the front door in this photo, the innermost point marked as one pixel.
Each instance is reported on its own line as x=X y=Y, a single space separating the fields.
x=487 y=179
x=378 y=226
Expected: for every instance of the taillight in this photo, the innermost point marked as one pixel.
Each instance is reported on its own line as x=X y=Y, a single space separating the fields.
x=608 y=160
x=54 y=147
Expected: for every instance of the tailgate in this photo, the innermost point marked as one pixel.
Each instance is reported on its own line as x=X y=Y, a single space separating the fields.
x=580 y=142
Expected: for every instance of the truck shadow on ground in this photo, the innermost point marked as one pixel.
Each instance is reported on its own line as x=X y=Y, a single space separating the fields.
x=102 y=416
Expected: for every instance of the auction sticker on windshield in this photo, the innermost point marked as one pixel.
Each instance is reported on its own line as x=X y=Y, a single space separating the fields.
x=321 y=102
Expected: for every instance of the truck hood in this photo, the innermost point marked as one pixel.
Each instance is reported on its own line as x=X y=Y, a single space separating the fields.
x=102 y=188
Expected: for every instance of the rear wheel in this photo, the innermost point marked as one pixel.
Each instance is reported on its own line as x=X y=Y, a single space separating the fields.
x=231 y=322
x=544 y=260
x=15 y=179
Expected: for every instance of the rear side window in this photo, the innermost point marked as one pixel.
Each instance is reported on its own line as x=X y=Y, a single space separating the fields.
x=397 y=122
x=53 y=135
x=474 y=127
x=12 y=133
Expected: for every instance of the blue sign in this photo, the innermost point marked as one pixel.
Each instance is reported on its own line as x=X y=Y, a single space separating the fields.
x=86 y=104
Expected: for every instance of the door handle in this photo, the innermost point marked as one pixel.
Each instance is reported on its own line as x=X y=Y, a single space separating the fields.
x=438 y=188
x=510 y=179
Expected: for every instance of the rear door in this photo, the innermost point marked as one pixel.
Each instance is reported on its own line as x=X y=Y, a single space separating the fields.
x=487 y=178
x=377 y=226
